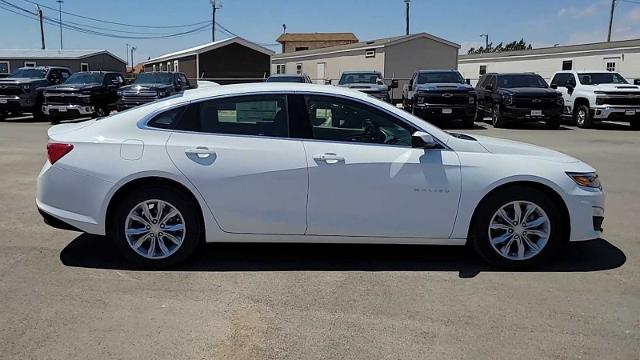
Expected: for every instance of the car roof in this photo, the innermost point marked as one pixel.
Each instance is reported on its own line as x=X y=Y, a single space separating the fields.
x=361 y=72
x=43 y=67
x=436 y=70
x=287 y=75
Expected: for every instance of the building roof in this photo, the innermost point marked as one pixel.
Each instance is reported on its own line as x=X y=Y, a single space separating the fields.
x=555 y=50
x=211 y=46
x=51 y=54
x=317 y=37
x=378 y=43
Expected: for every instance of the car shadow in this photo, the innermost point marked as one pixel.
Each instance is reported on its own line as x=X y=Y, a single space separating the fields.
x=21 y=119
x=96 y=252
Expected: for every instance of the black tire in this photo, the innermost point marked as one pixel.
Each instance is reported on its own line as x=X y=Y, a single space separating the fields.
x=497 y=119
x=582 y=117
x=469 y=121
x=553 y=123
x=635 y=124
x=38 y=114
x=101 y=111
x=175 y=198
x=479 y=232
x=54 y=119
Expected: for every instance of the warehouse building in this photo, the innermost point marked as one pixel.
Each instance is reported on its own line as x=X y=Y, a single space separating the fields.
x=310 y=41
x=75 y=60
x=621 y=56
x=233 y=60
x=395 y=57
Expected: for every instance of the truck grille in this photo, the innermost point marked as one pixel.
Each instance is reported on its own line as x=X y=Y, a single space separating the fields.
x=64 y=99
x=10 y=90
x=448 y=98
x=630 y=101
x=136 y=98
x=535 y=102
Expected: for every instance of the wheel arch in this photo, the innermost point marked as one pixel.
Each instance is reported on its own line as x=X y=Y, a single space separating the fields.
x=547 y=190
x=579 y=102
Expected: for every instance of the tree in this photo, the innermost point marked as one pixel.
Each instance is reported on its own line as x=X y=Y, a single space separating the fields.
x=501 y=47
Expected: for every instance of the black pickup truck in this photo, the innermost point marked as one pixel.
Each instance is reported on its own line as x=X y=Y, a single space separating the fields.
x=84 y=94
x=440 y=94
x=22 y=91
x=151 y=86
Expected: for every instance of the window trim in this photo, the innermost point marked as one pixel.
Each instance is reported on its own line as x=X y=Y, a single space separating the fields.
x=299 y=69
x=370 y=53
x=176 y=65
x=30 y=64
x=142 y=123
x=84 y=64
x=562 y=64
x=480 y=70
x=8 y=66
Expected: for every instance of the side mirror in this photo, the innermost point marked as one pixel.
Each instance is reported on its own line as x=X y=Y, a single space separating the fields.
x=636 y=82
x=394 y=84
x=554 y=86
x=569 y=85
x=489 y=87
x=422 y=140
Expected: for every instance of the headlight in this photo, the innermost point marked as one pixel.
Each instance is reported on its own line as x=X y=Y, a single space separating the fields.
x=119 y=92
x=86 y=93
x=26 y=88
x=162 y=93
x=586 y=179
x=507 y=99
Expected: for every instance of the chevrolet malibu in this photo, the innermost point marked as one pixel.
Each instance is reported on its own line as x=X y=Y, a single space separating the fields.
x=285 y=162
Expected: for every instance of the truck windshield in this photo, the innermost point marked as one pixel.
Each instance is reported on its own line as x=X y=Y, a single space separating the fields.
x=521 y=80
x=85 y=78
x=360 y=78
x=154 y=78
x=601 y=78
x=446 y=77
x=30 y=73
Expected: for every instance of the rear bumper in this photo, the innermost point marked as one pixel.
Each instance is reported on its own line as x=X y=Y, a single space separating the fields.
x=618 y=112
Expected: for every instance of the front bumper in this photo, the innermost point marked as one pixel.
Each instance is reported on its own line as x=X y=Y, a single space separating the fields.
x=444 y=110
x=528 y=114
x=68 y=110
x=586 y=210
x=615 y=112
x=14 y=102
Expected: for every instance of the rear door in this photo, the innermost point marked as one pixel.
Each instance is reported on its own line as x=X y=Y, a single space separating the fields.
x=237 y=153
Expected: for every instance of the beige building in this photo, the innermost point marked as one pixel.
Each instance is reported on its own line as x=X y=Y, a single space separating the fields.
x=395 y=57
x=310 y=41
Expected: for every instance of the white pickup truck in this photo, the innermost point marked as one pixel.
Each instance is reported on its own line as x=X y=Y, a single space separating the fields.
x=592 y=96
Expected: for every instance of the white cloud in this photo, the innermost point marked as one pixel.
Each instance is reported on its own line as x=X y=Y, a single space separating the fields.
x=562 y=12
x=582 y=12
x=634 y=15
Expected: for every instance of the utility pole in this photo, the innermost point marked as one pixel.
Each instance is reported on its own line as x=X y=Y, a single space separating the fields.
x=41 y=26
x=127 y=56
x=60 y=19
x=133 y=48
x=613 y=8
x=407 y=16
x=215 y=5
x=486 y=40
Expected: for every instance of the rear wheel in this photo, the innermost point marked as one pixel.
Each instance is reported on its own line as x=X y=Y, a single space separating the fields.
x=517 y=227
x=497 y=119
x=582 y=117
x=635 y=124
x=156 y=227
x=38 y=114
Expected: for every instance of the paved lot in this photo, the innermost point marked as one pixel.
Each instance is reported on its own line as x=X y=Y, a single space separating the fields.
x=64 y=295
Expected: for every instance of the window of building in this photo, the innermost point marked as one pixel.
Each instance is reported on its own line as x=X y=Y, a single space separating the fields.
x=299 y=68
x=263 y=115
x=29 y=64
x=84 y=67
x=567 y=65
x=281 y=69
x=611 y=66
x=483 y=69
x=176 y=66
x=337 y=119
x=169 y=66
x=302 y=48
x=153 y=68
x=4 y=67
x=370 y=53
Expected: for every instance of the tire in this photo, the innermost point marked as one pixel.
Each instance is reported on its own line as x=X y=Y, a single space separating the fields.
x=38 y=114
x=101 y=111
x=497 y=119
x=635 y=124
x=157 y=234
x=521 y=236
x=54 y=119
x=582 y=117
x=553 y=123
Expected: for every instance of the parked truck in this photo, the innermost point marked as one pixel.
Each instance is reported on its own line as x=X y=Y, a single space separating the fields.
x=150 y=87
x=593 y=96
x=23 y=90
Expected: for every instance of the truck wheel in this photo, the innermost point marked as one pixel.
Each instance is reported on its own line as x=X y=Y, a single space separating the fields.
x=38 y=114
x=497 y=119
x=582 y=117
x=469 y=121
x=553 y=123
x=54 y=119
x=635 y=123
x=101 y=111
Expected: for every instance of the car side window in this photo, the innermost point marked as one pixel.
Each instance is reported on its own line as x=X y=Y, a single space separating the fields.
x=481 y=82
x=65 y=75
x=184 y=80
x=262 y=115
x=167 y=119
x=562 y=79
x=491 y=81
x=338 y=119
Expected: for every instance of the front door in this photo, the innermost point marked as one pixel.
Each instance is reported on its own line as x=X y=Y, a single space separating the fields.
x=237 y=153
x=365 y=179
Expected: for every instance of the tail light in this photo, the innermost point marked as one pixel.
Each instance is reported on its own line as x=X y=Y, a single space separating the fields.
x=57 y=150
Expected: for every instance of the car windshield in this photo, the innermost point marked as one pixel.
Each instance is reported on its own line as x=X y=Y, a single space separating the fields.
x=601 y=78
x=446 y=77
x=154 y=78
x=85 y=78
x=360 y=78
x=287 y=79
x=521 y=80
x=30 y=73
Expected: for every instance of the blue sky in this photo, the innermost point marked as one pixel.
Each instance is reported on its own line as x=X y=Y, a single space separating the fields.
x=541 y=22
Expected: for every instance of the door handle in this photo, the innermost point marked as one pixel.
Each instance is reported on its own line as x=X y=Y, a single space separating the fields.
x=328 y=157
x=200 y=151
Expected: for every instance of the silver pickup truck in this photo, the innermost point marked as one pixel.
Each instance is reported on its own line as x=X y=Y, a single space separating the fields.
x=369 y=82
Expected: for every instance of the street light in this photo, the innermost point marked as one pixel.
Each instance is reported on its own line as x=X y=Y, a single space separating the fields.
x=215 y=4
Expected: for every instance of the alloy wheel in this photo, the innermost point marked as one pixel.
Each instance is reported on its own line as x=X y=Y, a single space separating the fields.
x=519 y=230
x=155 y=229
x=582 y=116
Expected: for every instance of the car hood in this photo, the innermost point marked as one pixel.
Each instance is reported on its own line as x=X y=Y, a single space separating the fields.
x=509 y=147
x=366 y=87
x=444 y=87
x=530 y=91
x=613 y=87
x=137 y=87
x=16 y=81
x=73 y=87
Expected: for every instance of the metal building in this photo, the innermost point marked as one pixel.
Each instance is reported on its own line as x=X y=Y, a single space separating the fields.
x=75 y=60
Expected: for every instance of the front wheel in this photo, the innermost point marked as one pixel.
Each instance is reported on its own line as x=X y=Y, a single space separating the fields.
x=156 y=227
x=582 y=117
x=100 y=112
x=497 y=119
x=635 y=124
x=517 y=227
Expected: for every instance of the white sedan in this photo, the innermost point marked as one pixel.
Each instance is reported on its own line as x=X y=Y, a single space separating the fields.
x=285 y=162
